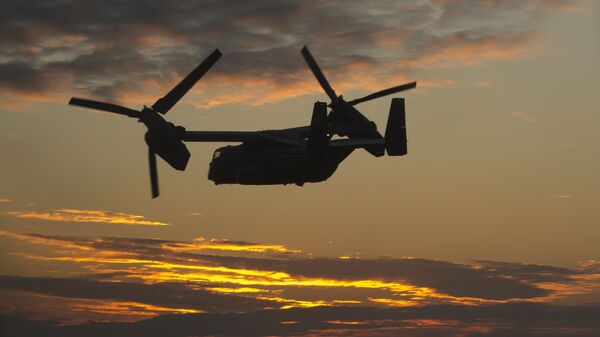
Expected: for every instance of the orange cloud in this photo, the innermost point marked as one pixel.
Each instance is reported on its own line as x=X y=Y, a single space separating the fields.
x=348 y=322
x=294 y=281
x=257 y=89
x=129 y=308
x=71 y=311
x=201 y=243
x=46 y=63
x=456 y=50
x=236 y=290
x=155 y=272
x=93 y=216
x=394 y=302
x=38 y=239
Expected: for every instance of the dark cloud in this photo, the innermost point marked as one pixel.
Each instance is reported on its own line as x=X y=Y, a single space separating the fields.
x=28 y=79
x=446 y=277
x=173 y=295
x=126 y=279
x=531 y=272
x=111 y=48
x=496 y=320
x=487 y=280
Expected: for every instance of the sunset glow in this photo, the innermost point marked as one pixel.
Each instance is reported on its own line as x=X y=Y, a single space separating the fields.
x=484 y=225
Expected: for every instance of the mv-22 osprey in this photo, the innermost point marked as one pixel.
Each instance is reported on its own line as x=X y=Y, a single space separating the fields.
x=287 y=156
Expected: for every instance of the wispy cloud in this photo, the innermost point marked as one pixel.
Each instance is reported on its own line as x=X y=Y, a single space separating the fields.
x=74 y=310
x=523 y=116
x=150 y=298
x=483 y=84
x=45 y=54
x=201 y=243
x=82 y=215
x=3 y=200
x=197 y=214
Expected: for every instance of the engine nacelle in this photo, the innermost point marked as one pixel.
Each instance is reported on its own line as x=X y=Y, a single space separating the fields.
x=164 y=139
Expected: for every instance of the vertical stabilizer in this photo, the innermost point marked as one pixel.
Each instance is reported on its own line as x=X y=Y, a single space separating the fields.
x=395 y=132
x=318 y=139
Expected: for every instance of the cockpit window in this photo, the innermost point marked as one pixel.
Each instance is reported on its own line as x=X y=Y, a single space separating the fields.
x=217 y=154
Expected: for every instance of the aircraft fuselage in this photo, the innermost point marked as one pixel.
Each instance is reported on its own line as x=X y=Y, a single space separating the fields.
x=272 y=164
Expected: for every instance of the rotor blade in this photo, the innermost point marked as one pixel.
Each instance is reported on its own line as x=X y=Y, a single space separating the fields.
x=164 y=104
x=121 y=110
x=318 y=73
x=153 y=173
x=385 y=92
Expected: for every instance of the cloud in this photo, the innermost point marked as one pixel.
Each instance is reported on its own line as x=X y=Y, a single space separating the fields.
x=523 y=116
x=530 y=273
x=82 y=215
x=197 y=214
x=70 y=310
x=178 y=297
x=152 y=246
x=496 y=320
x=482 y=84
x=43 y=240
x=134 y=52
x=396 y=275
x=201 y=243
x=4 y=200
x=290 y=278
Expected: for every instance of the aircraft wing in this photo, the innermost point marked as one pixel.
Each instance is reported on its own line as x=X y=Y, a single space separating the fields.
x=220 y=136
x=357 y=143
x=240 y=136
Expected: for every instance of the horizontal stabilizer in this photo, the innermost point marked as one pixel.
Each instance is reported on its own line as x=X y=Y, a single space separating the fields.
x=395 y=132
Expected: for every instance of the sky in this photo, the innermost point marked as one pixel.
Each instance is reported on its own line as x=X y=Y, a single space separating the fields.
x=487 y=227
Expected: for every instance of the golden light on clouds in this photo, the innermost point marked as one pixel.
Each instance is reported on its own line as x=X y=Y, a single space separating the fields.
x=73 y=310
x=236 y=290
x=348 y=322
x=92 y=216
x=291 y=303
x=393 y=302
x=93 y=266
x=130 y=308
x=201 y=243
x=276 y=282
x=35 y=239
x=247 y=281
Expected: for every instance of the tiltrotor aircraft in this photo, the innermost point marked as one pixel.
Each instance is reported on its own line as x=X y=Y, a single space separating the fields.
x=287 y=156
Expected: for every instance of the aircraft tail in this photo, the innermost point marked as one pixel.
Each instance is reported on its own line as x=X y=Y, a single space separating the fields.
x=395 y=132
x=318 y=139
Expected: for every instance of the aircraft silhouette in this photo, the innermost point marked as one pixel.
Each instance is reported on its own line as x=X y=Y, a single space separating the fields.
x=287 y=156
